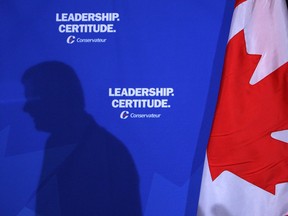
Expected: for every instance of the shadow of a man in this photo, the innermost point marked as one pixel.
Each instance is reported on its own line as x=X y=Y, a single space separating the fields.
x=98 y=176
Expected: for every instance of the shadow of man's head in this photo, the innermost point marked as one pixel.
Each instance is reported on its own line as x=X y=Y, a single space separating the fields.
x=53 y=94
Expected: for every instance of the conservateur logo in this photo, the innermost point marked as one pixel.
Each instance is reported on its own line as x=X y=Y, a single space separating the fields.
x=71 y=39
x=125 y=114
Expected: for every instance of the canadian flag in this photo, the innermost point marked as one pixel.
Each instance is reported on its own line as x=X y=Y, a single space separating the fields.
x=246 y=168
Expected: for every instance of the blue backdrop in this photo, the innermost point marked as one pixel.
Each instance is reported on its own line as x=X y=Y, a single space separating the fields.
x=156 y=44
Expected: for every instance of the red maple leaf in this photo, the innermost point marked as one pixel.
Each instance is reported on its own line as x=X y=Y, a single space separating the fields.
x=246 y=115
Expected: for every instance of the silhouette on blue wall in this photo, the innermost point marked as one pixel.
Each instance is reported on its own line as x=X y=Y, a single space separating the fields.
x=86 y=170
